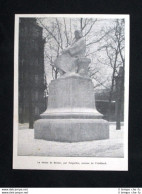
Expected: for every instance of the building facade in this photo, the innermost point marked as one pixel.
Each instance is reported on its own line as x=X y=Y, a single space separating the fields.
x=31 y=71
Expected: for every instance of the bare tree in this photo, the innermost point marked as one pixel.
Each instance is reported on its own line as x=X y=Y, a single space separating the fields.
x=59 y=35
x=114 y=50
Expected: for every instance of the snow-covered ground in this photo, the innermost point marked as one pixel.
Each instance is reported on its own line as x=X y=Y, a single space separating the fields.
x=112 y=147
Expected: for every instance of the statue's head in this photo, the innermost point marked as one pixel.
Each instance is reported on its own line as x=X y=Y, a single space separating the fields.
x=78 y=34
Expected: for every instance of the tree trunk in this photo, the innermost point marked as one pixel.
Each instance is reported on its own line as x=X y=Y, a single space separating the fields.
x=31 y=119
x=110 y=96
x=119 y=99
x=118 y=110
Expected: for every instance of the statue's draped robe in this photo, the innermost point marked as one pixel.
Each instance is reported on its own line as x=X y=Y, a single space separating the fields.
x=67 y=62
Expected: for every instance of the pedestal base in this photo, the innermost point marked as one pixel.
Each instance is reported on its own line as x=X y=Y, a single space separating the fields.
x=71 y=115
x=71 y=130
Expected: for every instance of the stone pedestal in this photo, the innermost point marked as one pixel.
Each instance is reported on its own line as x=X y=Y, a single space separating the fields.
x=71 y=114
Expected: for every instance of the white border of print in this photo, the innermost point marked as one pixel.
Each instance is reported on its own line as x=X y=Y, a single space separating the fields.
x=73 y=163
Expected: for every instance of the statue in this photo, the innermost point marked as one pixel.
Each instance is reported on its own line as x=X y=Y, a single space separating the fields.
x=73 y=60
x=71 y=114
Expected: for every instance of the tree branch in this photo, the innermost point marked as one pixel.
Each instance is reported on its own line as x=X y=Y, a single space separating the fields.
x=90 y=27
x=66 y=33
x=59 y=33
x=54 y=37
x=93 y=42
